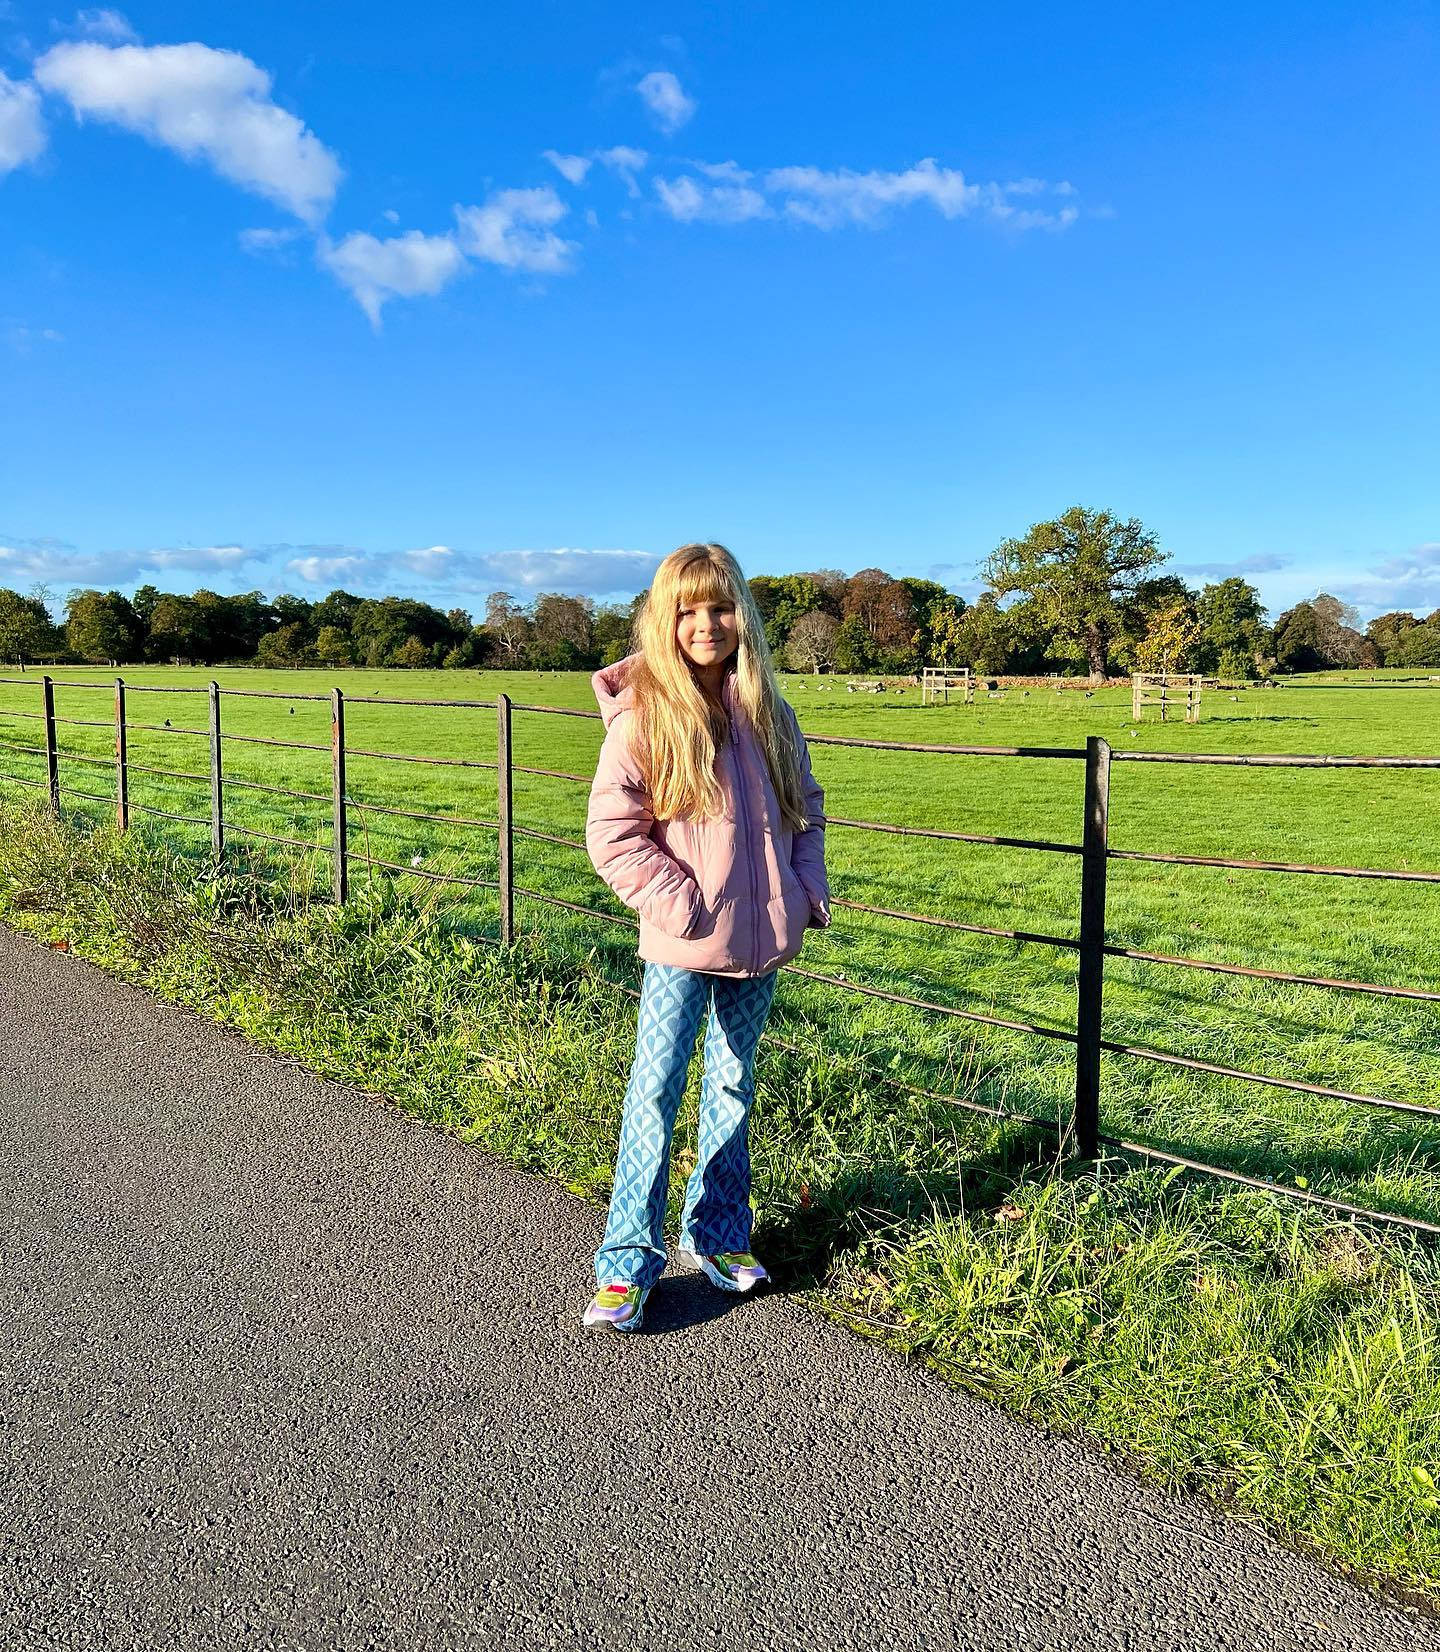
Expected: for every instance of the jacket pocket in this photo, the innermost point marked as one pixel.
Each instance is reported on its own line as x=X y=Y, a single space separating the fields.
x=714 y=932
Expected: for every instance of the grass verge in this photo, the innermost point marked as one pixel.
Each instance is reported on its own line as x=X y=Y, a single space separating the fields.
x=1274 y=1358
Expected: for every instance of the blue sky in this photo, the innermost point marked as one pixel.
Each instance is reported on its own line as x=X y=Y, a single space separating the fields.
x=523 y=297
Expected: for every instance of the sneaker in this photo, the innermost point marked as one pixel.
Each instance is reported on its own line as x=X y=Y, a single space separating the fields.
x=731 y=1270
x=616 y=1307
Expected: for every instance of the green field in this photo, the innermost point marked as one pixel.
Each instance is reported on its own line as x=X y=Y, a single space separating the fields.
x=1332 y=927
x=1225 y=1340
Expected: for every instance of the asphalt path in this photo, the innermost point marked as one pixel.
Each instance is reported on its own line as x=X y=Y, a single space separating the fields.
x=283 y=1368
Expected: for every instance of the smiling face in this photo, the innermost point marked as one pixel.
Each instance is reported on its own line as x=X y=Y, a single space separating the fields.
x=707 y=632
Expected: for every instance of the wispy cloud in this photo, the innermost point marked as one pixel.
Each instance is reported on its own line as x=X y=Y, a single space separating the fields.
x=56 y=562
x=1263 y=562
x=446 y=571
x=267 y=240
x=1408 y=581
x=669 y=105
x=689 y=201
x=411 y=265
x=22 y=130
x=512 y=229
x=205 y=105
x=103 y=23
x=622 y=160
x=727 y=193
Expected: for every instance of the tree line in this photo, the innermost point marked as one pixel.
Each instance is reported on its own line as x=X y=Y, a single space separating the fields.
x=1080 y=594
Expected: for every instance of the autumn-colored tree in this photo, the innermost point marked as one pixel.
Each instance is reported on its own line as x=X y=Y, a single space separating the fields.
x=1173 y=634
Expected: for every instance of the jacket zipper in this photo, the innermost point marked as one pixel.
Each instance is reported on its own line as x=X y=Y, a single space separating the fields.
x=742 y=802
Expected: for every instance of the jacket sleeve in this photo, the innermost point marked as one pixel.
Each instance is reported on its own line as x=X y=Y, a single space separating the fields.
x=621 y=849
x=807 y=849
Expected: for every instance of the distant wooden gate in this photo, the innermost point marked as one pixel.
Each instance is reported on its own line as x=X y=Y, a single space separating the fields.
x=1166 y=689
x=936 y=681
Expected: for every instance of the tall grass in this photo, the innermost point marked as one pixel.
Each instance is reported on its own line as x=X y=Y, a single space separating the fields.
x=1274 y=1358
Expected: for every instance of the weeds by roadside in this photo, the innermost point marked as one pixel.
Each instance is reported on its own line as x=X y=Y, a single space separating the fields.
x=1273 y=1357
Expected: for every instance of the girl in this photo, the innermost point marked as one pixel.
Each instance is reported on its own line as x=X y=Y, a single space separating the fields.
x=705 y=818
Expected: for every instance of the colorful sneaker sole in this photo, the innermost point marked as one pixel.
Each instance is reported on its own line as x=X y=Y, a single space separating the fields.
x=743 y=1279
x=604 y=1319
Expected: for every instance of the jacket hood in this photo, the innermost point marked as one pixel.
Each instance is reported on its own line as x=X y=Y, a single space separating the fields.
x=614 y=695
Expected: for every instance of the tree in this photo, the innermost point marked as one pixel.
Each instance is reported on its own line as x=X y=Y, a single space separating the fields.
x=1171 y=638
x=332 y=647
x=1420 y=645
x=884 y=608
x=507 y=626
x=562 y=631
x=1297 y=640
x=812 y=642
x=1337 y=628
x=25 y=628
x=102 y=627
x=783 y=600
x=412 y=654
x=853 y=649
x=945 y=624
x=984 y=641
x=1386 y=630
x=611 y=632
x=1232 y=629
x=284 y=648
x=1079 y=571
x=177 y=627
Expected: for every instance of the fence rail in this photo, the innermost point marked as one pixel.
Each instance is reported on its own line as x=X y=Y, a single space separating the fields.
x=1094 y=850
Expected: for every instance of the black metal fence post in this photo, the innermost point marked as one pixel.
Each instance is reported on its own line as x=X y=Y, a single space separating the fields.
x=122 y=760
x=217 y=802
x=1091 y=984
x=504 y=801
x=340 y=882
x=52 y=751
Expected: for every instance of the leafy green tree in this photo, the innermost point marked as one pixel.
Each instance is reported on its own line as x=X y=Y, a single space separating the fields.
x=944 y=624
x=1386 y=631
x=337 y=610
x=177 y=627
x=1079 y=570
x=412 y=654
x=102 y=626
x=332 y=647
x=984 y=641
x=143 y=602
x=1170 y=640
x=783 y=599
x=1297 y=640
x=25 y=628
x=853 y=648
x=1232 y=638
x=1420 y=644
x=284 y=649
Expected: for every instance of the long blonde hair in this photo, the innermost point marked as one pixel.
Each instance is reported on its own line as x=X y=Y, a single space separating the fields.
x=677 y=729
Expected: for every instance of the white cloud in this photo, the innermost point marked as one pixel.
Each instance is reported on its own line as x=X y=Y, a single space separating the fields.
x=432 y=562
x=54 y=561
x=267 y=240
x=723 y=172
x=690 y=202
x=22 y=131
x=203 y=104
x=102 y=23
x=622 y=160
x=828 y=199
x=323 y=570
x=512 y=230
x=570 y=167
x=404 y=266
x=666 y=100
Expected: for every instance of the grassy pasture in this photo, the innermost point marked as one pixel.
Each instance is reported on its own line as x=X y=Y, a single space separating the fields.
x=1346 y=928
x=1222 y=1340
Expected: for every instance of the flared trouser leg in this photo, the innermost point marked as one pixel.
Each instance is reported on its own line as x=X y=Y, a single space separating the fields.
x=717 y=1215
x=672 y=1001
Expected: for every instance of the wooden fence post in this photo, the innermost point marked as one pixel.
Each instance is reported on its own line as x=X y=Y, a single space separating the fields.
x=122 y=760
x=217 y=802
x=504 y=802
x=52 y=751
x=340 y=843
x=1091 y=983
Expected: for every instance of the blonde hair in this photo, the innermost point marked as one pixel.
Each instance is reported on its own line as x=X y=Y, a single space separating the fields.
x=677 y=729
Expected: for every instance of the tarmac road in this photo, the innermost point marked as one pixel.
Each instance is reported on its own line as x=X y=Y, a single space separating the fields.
x=283 y=1368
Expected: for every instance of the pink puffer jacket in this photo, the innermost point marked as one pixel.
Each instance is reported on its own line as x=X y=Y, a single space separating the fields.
x=732 y=895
